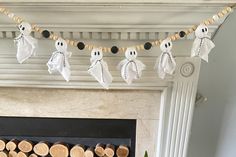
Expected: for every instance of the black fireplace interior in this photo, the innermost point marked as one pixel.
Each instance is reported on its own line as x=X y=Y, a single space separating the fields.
x=87 y=132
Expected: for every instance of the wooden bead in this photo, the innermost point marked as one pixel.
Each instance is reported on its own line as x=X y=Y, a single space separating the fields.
x=55 y=37
x=211 y=21
x=173 y=38
x=137 y=47
x=229 y=9
x=206 y=22
x=224 y=12
x=2 y=10
x=177 y=36
x=72 y=43
x=220 y=14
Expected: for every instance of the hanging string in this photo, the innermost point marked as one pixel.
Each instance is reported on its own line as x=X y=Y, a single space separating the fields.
x=80 y=45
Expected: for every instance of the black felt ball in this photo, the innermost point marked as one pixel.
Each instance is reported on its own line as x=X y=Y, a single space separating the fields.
x=80 y=45
x=147 y=46
x=46 y=34
x=182 y=34
x=114 y=49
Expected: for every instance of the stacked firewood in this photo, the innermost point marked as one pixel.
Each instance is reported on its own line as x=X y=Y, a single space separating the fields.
x=27 y=148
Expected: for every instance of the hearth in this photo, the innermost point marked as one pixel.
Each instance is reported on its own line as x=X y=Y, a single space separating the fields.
x=86 y=133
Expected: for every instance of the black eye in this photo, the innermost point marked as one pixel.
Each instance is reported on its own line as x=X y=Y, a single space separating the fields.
x=58 y=43
x=130 y=52
x=20 y=26
x=134 y=52
x=61 y=44
x=23 y=28
x=169 y=43
x=203 y=30
x=166 y=45
x=98 y=53
x=95 y=53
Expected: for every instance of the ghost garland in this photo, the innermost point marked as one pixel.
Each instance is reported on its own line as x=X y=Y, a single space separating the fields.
x=166 y=63
x=58 y=62
x=99 y=68
x=26 y=45
x=202 y=44
x=131 y=68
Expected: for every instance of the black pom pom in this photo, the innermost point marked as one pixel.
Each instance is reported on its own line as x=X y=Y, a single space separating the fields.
x=80 y=45
x=147 y=46
x=46 y=34
x=114 y=49
x=182 y=34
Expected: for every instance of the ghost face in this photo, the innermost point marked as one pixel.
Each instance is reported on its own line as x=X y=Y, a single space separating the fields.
x=201 y=31
x=61 y=45
x=25 y=28
x=166 y=45
x=96 y=54
x=131 y=53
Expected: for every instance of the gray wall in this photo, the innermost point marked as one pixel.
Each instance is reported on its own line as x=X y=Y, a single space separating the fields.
x=214 y=122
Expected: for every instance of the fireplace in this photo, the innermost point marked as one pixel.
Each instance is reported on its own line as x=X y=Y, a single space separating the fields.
x=71 y=131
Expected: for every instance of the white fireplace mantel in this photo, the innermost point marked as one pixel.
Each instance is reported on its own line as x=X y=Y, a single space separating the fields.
x=125 y=22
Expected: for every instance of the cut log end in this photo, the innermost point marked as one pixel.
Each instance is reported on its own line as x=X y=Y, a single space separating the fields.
x=59 y=150
x=3 y=154
x=99 y=150
x=89 y=152
x=122 y=151
x=12 y=153
x=33 y=155
x=110 y=150
x=22 y=154
x=77 y=151
x=25 y=146
x=41 y=149
x=2 y=144
x=11 y=145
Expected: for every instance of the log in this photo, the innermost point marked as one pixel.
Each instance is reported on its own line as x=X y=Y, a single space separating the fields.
x=99 y=150
x=77 y=151
x=41 y=148
x=12 y=153
x=12 y=145
x=33 y=155
x=59 y=150
x=25 y=146
x=110 y=150
x=2 y=144
x=122 y=151
x=3 y=154
x=22 y=154
x=89 y=152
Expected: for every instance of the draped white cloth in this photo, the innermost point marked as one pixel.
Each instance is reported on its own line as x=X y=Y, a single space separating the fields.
x=165 y=64
x=99 y=68
x=202 y=44
x=131 y=68
x=26 y=44
x=59 y=61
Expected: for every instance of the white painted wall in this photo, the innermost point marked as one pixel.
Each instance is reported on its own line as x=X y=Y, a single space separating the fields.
x=214 y=126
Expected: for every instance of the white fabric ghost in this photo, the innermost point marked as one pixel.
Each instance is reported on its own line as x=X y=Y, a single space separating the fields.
x=26 y=44
x=202 y=45
x=131 y=68
x=58 y=62
x=99 y=68
x=165 y=63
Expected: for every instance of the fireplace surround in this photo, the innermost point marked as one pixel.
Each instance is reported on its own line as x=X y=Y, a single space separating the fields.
x=162 y=109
